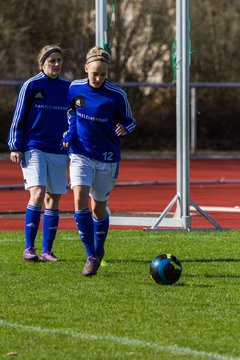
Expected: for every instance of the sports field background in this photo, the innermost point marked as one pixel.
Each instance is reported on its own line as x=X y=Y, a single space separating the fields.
x=145 y=187
x=51 y=311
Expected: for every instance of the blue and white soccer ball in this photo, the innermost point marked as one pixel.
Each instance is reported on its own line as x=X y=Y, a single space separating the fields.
x=165 y=269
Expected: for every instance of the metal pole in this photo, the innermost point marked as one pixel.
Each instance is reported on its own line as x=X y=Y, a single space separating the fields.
x=193 y=120
x=101 y=22
x=182 y=216
x=179 y=105
x=185 y=116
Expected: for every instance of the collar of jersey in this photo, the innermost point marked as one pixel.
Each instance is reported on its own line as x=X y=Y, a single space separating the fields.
x=96 y=89
x=48 y=77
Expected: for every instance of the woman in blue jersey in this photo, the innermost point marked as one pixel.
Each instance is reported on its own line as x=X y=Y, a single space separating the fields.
x=40 y=118
x=99 y=115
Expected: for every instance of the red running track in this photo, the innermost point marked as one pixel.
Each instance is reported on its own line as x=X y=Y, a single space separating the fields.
x=215 y=183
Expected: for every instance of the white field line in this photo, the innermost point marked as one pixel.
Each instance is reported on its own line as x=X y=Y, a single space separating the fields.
x=174 y=349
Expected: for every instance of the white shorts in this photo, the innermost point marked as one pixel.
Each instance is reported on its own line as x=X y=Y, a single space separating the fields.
x=99 y=176
x=45 y=169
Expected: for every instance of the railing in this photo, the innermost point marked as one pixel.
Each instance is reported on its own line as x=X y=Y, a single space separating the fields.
x=193 y=100
x=193 y=97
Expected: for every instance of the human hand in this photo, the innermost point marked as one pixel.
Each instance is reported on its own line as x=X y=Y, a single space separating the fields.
x=16 y=156
x=66 y=144
x=120 y=130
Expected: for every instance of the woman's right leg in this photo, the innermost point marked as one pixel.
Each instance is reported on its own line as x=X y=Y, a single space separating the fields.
x=32 y=220
x=34 y=170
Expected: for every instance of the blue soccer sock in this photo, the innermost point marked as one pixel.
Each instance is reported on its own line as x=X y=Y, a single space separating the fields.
x=84 y=221
x=100 y=234
x=32 y=220
x=50 y=226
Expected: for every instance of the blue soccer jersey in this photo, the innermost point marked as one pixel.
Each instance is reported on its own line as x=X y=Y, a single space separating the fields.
x=93 y=116
x=40 y=116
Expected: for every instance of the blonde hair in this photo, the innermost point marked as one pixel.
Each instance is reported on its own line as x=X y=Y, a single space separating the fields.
x=98 y=54
x=45 y=52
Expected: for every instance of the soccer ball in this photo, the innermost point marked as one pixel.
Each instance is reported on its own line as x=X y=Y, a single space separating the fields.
x=165 y=269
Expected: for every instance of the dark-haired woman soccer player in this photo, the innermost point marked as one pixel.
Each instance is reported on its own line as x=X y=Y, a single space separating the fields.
x=99 y=115
x=40 y=119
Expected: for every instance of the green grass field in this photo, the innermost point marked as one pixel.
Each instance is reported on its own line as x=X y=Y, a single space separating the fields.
x=51 y=311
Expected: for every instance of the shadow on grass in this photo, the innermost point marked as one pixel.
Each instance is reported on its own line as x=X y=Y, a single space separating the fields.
x=209 y=276
x=209 y=260
x=193 y=285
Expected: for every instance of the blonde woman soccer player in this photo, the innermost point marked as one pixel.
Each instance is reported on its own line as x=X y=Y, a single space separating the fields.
x=40 y=119
x=99 y=115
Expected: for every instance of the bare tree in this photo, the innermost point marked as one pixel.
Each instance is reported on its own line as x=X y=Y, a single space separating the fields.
x=28 y=25
x=215 y=33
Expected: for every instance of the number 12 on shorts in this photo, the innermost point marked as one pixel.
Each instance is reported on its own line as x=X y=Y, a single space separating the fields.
x=108 y=156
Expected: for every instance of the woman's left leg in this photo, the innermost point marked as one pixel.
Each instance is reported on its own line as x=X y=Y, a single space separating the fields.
x=105 y=179
x=50 y=226
x=57 y=185
x=101 y=225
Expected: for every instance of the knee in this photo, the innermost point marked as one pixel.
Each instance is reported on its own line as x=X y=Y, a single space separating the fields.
x=99 y=210
x=99 y=213
x=52 y=201
x=37 y=196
